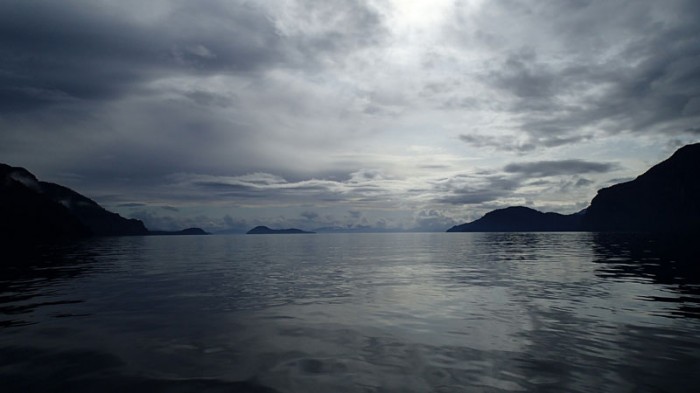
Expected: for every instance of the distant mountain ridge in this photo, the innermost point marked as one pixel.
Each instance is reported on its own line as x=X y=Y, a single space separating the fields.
x=30 y=208
x=666 y=198
x=188 y=231
x=263 y=230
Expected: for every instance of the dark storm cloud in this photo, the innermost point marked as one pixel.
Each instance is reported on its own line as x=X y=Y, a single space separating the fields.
x=571 y=68
x=473 y=190
x=521 y=76
x=265 y=187
x=488 y=187
x=131 y=204
x=155 y=220
x=471 y=197
x=355 y=213
x=556 y=168
x=74 y=50
x=80 y=50
x=333 y=27
x=125 y=94
x=524 y=145
x=309 y=215
x=502 y=143
x=433 y=220
x=583 y=182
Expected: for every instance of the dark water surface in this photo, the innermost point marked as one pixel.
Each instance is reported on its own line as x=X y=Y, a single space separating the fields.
x=444 y=312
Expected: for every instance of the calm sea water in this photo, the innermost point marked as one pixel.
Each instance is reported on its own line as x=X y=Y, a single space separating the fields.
x=444 y=312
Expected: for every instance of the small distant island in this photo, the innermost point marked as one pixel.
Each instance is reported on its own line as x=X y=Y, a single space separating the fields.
x=666 y=198
x=188 y=231
x=263 y=230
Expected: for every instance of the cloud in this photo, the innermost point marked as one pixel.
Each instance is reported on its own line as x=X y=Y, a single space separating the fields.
x=134 y=93
x=499 y=142
x=309 y=215
x=557 y=168
x=355 y=214
x=434 y=220
x=583 y=182
x=157 y=221
x=474 y=189
x=77 y=51
x=599 y=67
x=519 y=144
x=234 y=224
x=359 y=187
x=131 y=204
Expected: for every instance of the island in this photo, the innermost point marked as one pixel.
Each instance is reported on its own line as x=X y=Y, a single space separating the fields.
x=188 y=231
x=521 y=219
x=263 y=230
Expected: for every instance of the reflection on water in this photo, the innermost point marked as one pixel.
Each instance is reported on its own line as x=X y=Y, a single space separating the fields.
x=493 y=312
x=671 y=261
x=28 y=275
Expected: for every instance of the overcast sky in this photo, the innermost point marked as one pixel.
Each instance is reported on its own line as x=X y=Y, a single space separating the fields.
x=389 y=114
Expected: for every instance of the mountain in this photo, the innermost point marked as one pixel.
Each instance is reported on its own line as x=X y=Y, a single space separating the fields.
x=30 y=208
x=521 y=219
x=666 y=198
x=263 y=230
x=99 y=220
x=26 y=213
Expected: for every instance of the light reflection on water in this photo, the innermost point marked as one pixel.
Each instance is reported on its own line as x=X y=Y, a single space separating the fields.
x=492 y=312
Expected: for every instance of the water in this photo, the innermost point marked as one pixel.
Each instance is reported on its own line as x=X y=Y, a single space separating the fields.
x=521 y=312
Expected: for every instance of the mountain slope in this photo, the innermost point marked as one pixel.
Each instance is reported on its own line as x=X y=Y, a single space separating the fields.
x=32 y=208
x=99 y=220
x=666 y=198
x=25 y=213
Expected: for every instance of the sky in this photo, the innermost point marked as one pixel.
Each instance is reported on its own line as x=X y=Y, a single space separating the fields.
x=361 y=115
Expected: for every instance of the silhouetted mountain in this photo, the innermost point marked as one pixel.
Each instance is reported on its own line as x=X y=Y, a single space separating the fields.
x=521 y=219
x=188 y=231
x=26 y=213
x=263 y=230
x=99 y=220
x=666 y=198
x=32 y=208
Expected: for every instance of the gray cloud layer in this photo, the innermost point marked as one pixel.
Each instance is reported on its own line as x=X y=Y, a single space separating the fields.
x=574 y=69
x=177 y=111
x=554 y=168
x=59 y=52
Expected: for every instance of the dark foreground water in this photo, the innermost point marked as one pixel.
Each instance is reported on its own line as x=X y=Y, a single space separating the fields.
x=447 y=312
